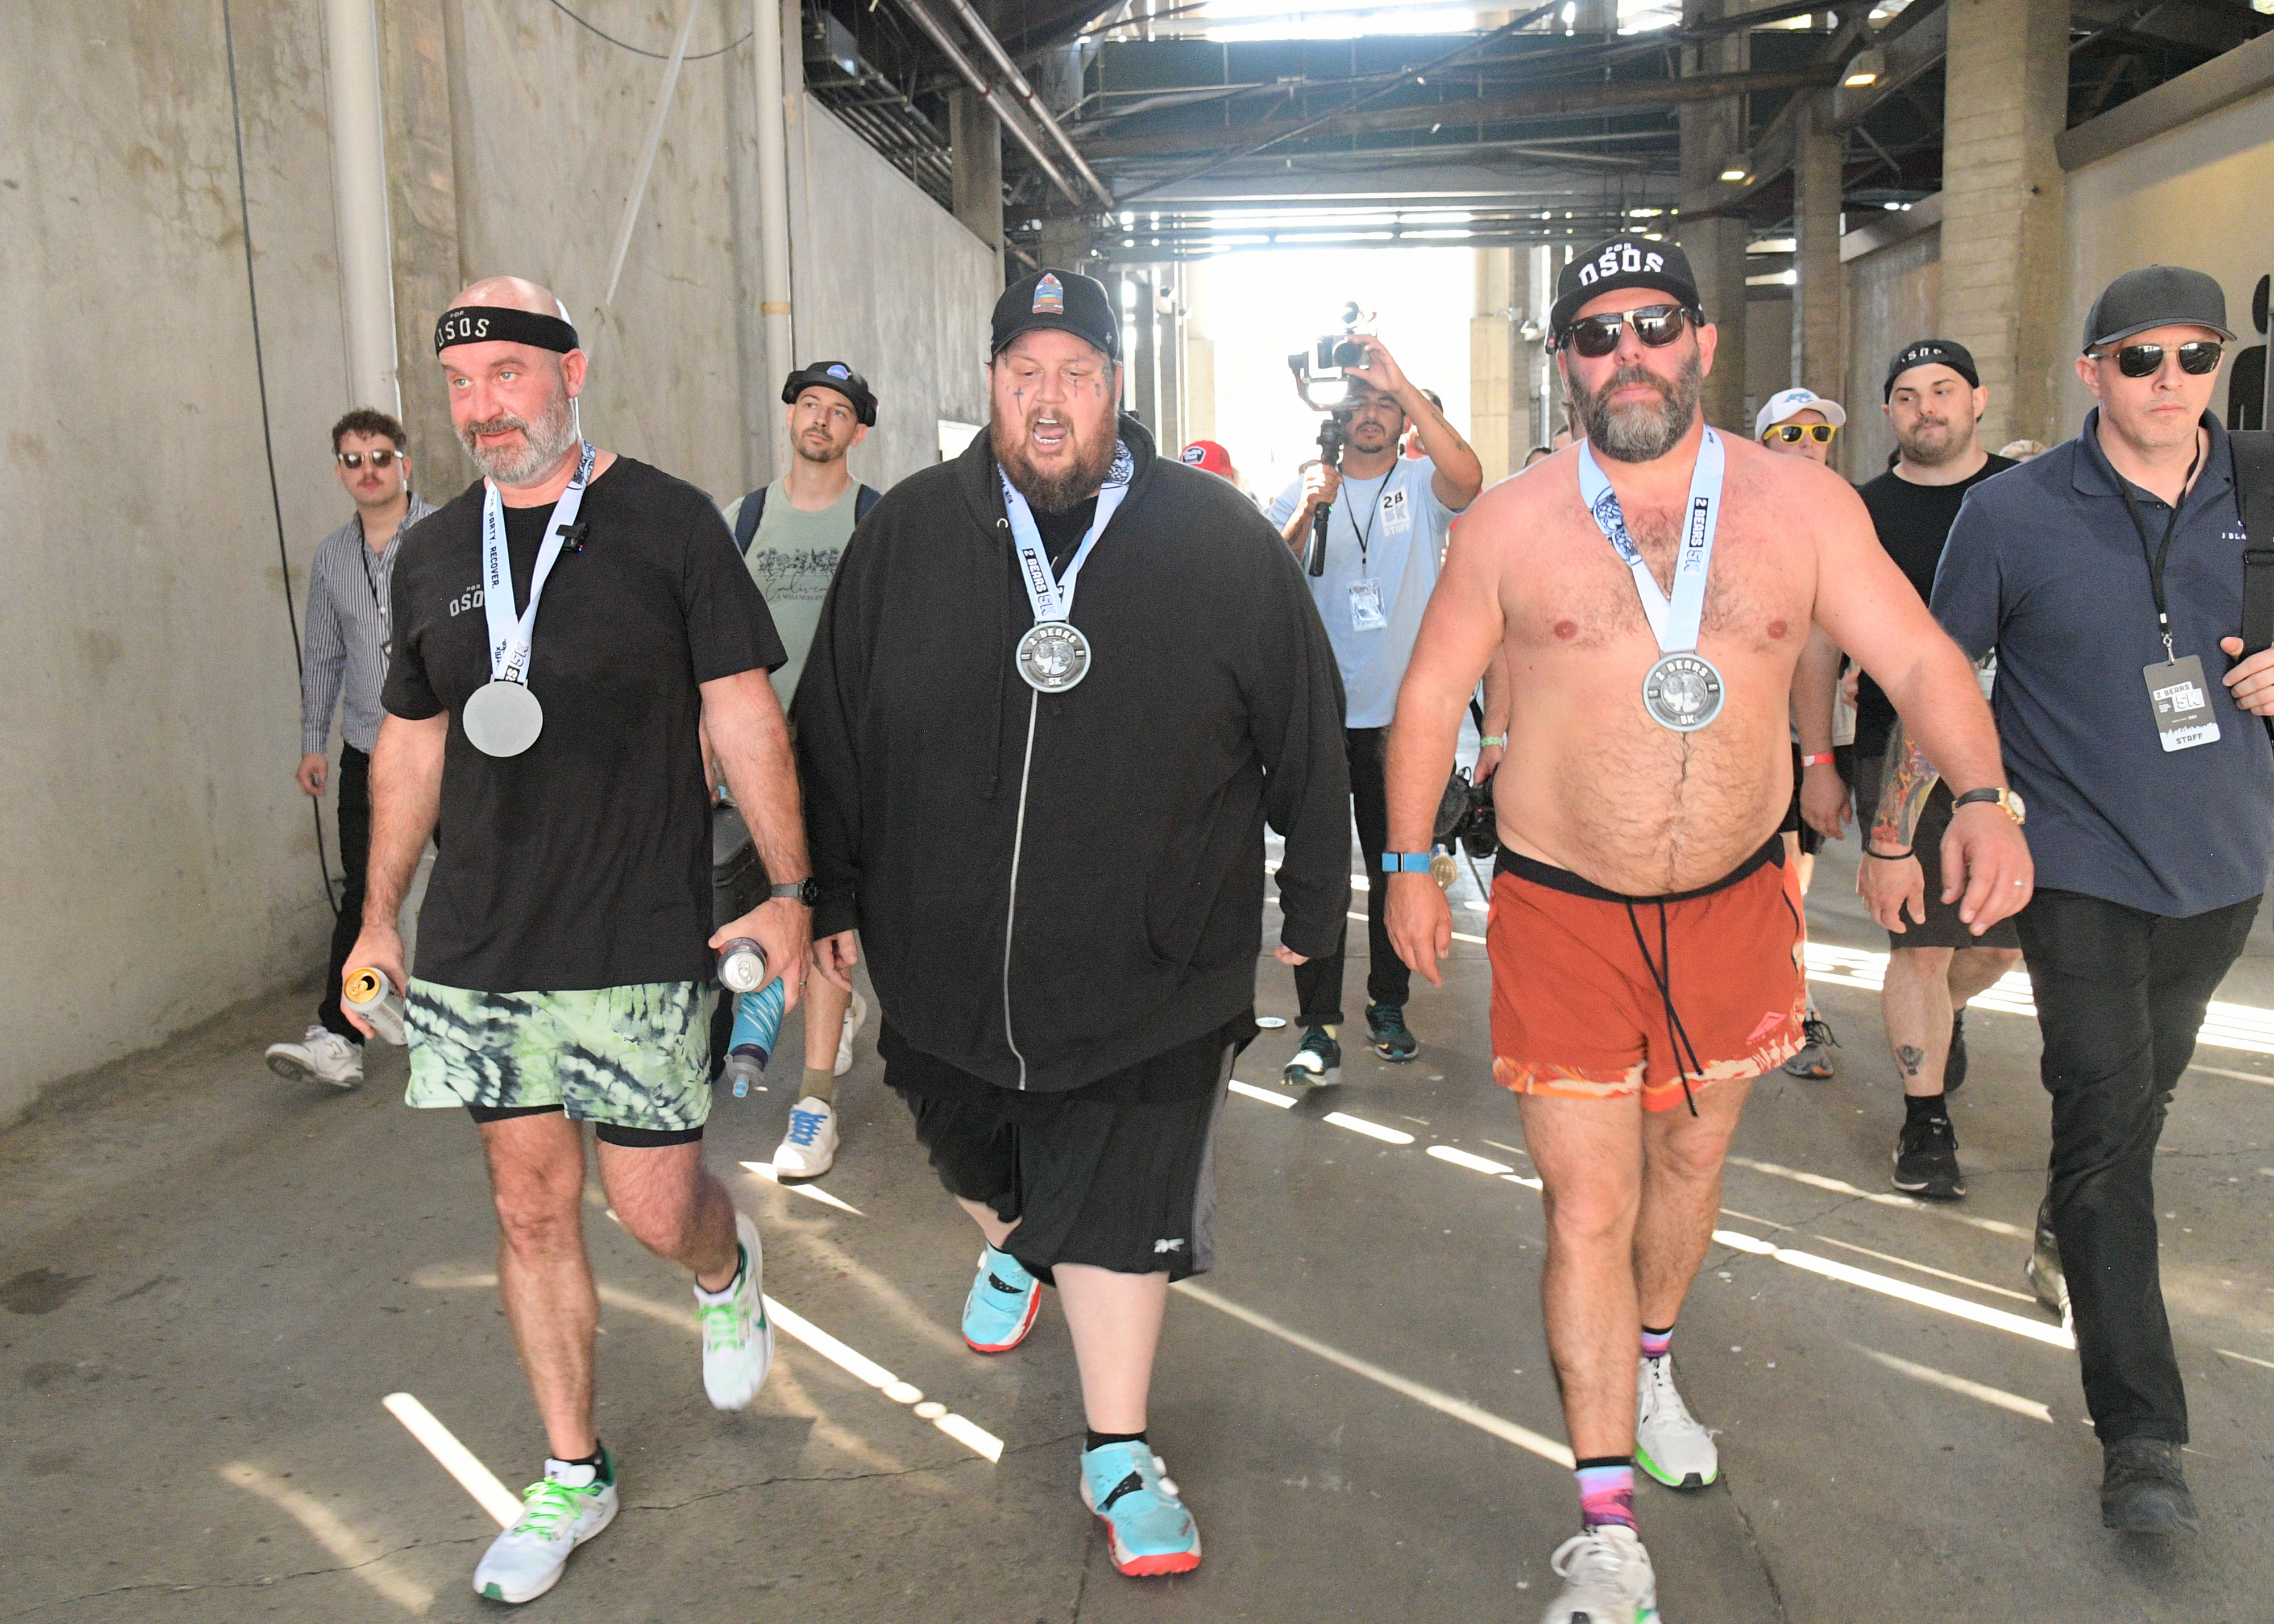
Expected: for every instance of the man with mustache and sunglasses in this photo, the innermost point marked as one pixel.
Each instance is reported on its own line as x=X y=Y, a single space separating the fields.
x=2109 y=576
x=1650 y=590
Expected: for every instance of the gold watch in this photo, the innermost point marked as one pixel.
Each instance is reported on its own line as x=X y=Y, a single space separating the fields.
x=2007 y=800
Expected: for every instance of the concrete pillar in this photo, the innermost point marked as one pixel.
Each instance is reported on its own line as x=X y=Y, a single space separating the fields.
x=1066 y=244
x=1499 y=413
x=351 y=77
x=1543 y=263
x=1168 y=299
x=1712 y=134
x=1144 y=359
x=976 y=137
x=1819 y=341
x=422 y=180
x=2002 y=286
x=1595 y=19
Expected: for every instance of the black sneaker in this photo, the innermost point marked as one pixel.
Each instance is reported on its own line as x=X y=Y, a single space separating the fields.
x=1954 y=1070
x=1811 y=1061
x=2044 y=1268
x=1386 y=1030
x=2143 y=1491
x=1318 y=1063
x=1926 y=1160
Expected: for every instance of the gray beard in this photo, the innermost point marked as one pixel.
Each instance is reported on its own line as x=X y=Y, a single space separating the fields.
x=1640 y=433
x=1055 y=493
x=544 y=443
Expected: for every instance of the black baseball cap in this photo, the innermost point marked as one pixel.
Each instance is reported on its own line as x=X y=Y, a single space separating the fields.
x=1931 y=352
x=1066 y=300
x=2155 y=296
x=1622 y=261
x=833 y=375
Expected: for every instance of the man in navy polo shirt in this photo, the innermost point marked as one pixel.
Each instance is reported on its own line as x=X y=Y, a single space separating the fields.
x=2108 y=575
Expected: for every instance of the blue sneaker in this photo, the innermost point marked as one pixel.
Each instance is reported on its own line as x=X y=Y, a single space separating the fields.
x=1387 y=1030
x=1003 y=1303
x=1147 y=1530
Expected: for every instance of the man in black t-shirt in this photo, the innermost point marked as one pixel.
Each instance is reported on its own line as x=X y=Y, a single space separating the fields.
x=564 y=974
x=1934 y=401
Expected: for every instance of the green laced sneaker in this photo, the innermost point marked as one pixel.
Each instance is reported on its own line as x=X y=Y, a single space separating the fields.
x=565 y=1509
x=738 y=1338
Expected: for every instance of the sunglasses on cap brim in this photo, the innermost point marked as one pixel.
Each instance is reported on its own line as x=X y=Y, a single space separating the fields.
x=2196 y=357
x=1792 y=433
x=1596 y=336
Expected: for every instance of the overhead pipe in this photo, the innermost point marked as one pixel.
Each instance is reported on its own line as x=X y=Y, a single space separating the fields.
x=359 y=193
x=1025 y=91
x=920 y=15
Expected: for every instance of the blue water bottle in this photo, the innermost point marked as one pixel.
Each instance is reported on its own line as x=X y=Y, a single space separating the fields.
x=758 y=1015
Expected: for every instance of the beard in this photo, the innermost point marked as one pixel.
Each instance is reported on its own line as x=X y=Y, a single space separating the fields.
x=543 y=443
x=1639 y=433
x=821 y=451
x=1054 y=491
x=1931 y=443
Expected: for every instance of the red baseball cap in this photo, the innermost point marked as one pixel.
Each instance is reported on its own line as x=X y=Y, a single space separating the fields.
x=1207 y=454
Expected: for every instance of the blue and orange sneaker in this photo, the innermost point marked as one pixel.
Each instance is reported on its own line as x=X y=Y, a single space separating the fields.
x=1003 y=1303
x=1147 y=1530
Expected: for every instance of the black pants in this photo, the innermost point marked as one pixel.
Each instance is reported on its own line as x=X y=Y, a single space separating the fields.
x=2120 y=996
x=355 y=860
x=1319 y=984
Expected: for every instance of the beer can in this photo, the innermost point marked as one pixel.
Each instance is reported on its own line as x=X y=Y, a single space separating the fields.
x=742 y=966
x=367 y=990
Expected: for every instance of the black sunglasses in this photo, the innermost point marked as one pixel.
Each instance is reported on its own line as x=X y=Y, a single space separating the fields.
x=2196 y=357
x=1596 y=336
x=352 y=460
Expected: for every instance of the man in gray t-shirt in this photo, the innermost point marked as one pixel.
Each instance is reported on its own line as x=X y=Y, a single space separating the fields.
x=791 y=534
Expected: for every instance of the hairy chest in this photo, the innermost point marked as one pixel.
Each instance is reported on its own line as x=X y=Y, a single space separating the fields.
x=1577 y=596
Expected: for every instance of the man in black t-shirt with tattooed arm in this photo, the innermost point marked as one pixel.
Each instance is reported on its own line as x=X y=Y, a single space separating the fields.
x=564 y=976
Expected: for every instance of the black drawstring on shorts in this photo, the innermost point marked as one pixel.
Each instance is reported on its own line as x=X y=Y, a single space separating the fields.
x=1661 y=975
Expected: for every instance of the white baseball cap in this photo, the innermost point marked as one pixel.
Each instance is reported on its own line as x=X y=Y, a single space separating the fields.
x=1791 y=403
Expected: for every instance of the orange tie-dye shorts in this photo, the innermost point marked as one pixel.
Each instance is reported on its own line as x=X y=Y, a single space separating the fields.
x=1599 y=996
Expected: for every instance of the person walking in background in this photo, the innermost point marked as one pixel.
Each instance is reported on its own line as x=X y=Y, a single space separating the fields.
x=342 y=665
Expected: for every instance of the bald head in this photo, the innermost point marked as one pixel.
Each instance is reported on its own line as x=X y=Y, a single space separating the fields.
x=513 y=293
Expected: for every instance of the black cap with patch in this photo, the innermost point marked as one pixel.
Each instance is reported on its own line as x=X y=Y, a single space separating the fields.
x=2155 y=296
x=1622 y=261
x=1064 y=300
x=833 y=375
x=1931 y=352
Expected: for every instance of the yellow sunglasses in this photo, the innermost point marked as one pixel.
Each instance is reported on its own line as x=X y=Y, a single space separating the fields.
x=1790 y=432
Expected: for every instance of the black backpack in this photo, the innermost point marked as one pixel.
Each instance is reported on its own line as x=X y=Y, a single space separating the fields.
x=754 y=508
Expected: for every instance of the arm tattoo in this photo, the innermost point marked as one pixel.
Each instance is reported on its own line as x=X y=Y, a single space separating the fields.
x=1904 y=786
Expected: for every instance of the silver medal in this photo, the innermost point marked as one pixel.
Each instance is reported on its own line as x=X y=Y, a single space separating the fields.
x=1683 y=692
x=1053 y=657
x=501 y=718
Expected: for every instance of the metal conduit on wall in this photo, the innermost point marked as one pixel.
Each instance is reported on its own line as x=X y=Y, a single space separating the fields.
x=360 y=202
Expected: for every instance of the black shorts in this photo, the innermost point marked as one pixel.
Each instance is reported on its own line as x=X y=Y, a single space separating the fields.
x=1119 y=1173
x=1943 y=927
x=1811 y=842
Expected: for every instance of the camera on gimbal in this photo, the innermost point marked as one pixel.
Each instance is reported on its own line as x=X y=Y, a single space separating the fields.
x=1326 y=364
x=1465 y=813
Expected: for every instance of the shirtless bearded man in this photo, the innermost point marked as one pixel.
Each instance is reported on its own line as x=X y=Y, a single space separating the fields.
x=1645 y=937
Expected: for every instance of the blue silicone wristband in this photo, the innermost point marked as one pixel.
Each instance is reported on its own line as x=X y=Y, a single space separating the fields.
x=1405 y=862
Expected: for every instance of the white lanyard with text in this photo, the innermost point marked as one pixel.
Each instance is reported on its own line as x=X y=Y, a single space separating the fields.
x=1054 y=655
x=1682 y=691
x=502 y=717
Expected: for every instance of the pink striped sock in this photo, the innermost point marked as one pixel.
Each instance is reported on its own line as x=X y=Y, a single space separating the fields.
x=1607 y=1492
x=1655 y=1344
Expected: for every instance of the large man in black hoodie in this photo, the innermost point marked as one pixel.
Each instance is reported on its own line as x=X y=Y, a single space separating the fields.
x=1048 y=823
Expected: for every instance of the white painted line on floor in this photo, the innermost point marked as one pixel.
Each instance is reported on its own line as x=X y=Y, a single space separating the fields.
x=456 y=1459
x=353 y=1554
x=1949 y=1383
x=972 y=1436
x=1464 y=1159
x=1371 y=1129
x=2246 y=1358
x=765 y=1171
x=1282 y=1101
x=1941 y=1302
x=1889 y=1256
x=1518 y=1179
x=1443 y=1403
x=1840 y=1186
x=2239 y=1077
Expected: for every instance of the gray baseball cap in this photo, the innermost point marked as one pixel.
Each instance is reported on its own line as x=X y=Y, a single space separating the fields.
x=2155 y=296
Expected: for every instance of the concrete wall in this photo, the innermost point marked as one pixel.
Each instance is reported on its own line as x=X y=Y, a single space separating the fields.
x=1894 y=296
x=2195 y=196
x=1768 y=355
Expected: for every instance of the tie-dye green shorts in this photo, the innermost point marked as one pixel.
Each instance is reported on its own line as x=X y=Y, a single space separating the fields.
x=636 y=1058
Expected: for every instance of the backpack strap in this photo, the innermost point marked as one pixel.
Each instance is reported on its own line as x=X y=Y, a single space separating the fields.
x=746 y=520
x=2253 y=481
x=869 y=498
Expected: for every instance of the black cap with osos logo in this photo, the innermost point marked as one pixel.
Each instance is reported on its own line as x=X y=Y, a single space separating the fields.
x=1622 y=261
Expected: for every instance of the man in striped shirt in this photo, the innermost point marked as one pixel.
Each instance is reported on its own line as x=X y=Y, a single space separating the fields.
x=343 y=662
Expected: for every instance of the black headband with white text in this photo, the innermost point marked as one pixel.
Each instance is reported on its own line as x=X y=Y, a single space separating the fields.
x=487 y=324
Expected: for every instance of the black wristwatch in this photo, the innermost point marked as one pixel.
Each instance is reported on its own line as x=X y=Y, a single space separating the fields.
x=807 y=890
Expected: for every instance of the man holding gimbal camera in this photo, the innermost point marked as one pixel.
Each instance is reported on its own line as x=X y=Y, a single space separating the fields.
x=1387 y=519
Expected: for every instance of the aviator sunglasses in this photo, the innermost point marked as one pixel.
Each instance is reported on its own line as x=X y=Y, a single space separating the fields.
x=1791 y=432
x=1596 y=336
x=353 y=460
x=2196 y=357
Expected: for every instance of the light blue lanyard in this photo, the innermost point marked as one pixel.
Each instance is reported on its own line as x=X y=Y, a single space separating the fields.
x=1674 y=624
x=1052 y=596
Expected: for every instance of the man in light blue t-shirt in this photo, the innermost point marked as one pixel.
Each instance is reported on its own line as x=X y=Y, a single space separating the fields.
x=1385 y=534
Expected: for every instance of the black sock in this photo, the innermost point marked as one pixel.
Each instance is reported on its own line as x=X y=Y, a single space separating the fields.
x=602 y=1470
x=1925 y=1107
x=1098 y=1441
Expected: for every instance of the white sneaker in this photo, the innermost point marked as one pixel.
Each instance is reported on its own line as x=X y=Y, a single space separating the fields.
x=856 y=1013
x=1669 y=1444
x=1607 y=1579
x=323 y=1056
x=737 y=1339
x=557 y=1515
x=809 y=1148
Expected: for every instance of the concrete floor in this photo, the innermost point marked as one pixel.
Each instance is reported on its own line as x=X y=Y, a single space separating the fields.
x=213 y=1278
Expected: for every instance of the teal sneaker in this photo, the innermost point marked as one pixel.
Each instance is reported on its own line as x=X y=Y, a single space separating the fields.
x=1147 y=1530
x=567 y=1507
x=1387 y=1030
x=1318 y=1063
x=1003 y=1303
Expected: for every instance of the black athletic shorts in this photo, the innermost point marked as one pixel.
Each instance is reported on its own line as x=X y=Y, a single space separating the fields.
x=1943 y=927
x=1119 y=1173
x=1811 y=842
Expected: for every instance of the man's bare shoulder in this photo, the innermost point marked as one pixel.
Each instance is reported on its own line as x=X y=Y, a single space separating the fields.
x=1796 y=484
x=1512 y=509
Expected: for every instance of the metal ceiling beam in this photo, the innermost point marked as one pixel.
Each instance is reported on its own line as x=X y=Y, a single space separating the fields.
x=973 y=26
x=937 y=34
